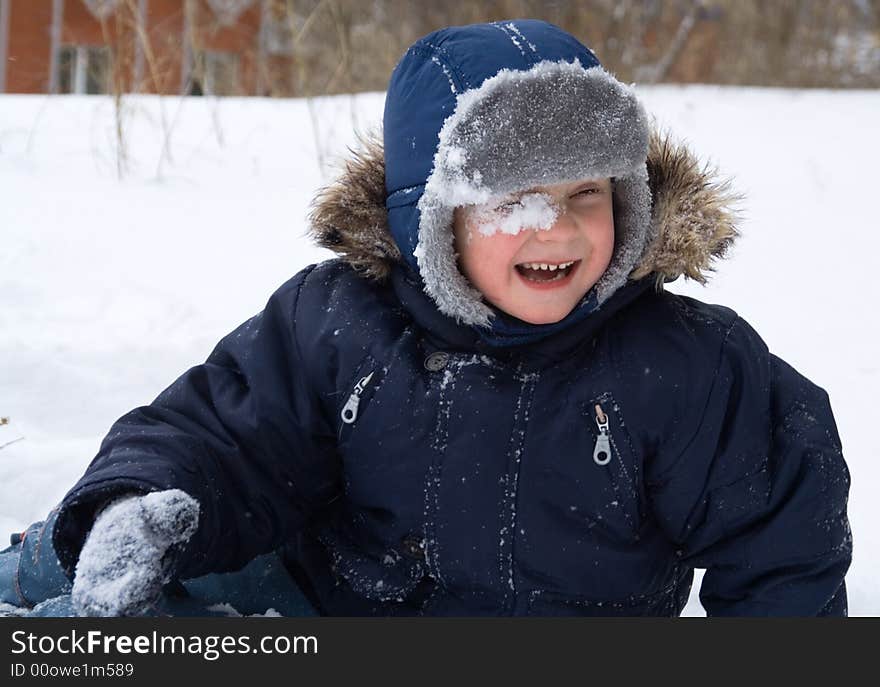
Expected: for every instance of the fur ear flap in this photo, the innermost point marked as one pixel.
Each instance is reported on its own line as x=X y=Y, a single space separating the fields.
x=694 y=214
x=349 y=216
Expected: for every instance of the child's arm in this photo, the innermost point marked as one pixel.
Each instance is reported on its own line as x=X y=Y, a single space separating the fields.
x=241 y=433
x=756 y=492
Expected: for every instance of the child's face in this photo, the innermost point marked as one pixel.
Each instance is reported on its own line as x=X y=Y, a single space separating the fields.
x=567 y=226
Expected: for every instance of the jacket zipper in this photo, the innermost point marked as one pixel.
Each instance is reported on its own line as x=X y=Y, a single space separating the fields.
x=350 y=409
x=602 y=449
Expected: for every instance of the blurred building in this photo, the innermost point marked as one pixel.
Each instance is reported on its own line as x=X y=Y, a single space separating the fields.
x=282 y=47
x=219 y=47
x=312 y=47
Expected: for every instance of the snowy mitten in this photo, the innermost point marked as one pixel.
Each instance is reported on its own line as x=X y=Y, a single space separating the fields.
x=128 y=554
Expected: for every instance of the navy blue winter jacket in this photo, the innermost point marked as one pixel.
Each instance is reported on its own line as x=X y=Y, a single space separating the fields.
x=406 y=464
x=409 y=468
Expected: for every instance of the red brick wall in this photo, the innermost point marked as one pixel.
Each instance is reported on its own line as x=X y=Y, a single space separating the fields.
x=27 y=65
x=162 y=61
x=241 y=38
x=80 y=27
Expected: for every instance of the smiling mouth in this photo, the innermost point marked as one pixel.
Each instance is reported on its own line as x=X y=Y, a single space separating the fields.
x=545 y=273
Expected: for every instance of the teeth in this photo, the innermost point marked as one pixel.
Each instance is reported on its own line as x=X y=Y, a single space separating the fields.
x=546 y=266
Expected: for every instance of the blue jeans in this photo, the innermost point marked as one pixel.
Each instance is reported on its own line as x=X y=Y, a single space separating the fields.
x=33 y=584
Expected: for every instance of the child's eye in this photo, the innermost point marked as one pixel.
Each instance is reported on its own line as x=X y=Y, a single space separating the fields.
x=586 y=192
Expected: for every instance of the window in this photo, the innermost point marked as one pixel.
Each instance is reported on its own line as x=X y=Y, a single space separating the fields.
x=84 y=69
x=215 y=73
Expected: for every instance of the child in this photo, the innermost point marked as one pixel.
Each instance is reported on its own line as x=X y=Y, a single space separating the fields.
x=488 y=405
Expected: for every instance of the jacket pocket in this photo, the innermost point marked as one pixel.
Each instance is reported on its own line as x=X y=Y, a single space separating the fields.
x=663 y=603
x=614 y=464
x=389 y=576
x=355 y=397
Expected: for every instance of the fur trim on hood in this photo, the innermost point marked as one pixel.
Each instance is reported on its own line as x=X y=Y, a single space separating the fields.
x=693 y=215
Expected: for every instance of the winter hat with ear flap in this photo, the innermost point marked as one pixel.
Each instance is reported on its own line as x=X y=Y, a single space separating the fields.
x=478 y=111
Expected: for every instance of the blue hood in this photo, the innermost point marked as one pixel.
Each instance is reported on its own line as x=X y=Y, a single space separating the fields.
x=423 y=91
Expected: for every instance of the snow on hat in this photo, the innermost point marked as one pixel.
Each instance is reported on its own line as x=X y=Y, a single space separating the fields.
x=479 y=111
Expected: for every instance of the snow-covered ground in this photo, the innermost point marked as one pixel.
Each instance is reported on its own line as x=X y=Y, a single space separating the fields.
x=110 y=288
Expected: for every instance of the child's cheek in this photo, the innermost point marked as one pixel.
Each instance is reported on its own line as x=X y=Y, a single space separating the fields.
x=605 y=242
x=488 y=259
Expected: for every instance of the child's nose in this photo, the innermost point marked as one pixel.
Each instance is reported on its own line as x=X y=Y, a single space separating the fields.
x=562 y=229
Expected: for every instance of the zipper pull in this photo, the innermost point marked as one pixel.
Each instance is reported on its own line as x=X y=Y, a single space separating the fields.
x=602 y=450
x=350 y=409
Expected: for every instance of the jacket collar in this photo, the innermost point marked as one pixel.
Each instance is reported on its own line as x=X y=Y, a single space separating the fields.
x=538 y=342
